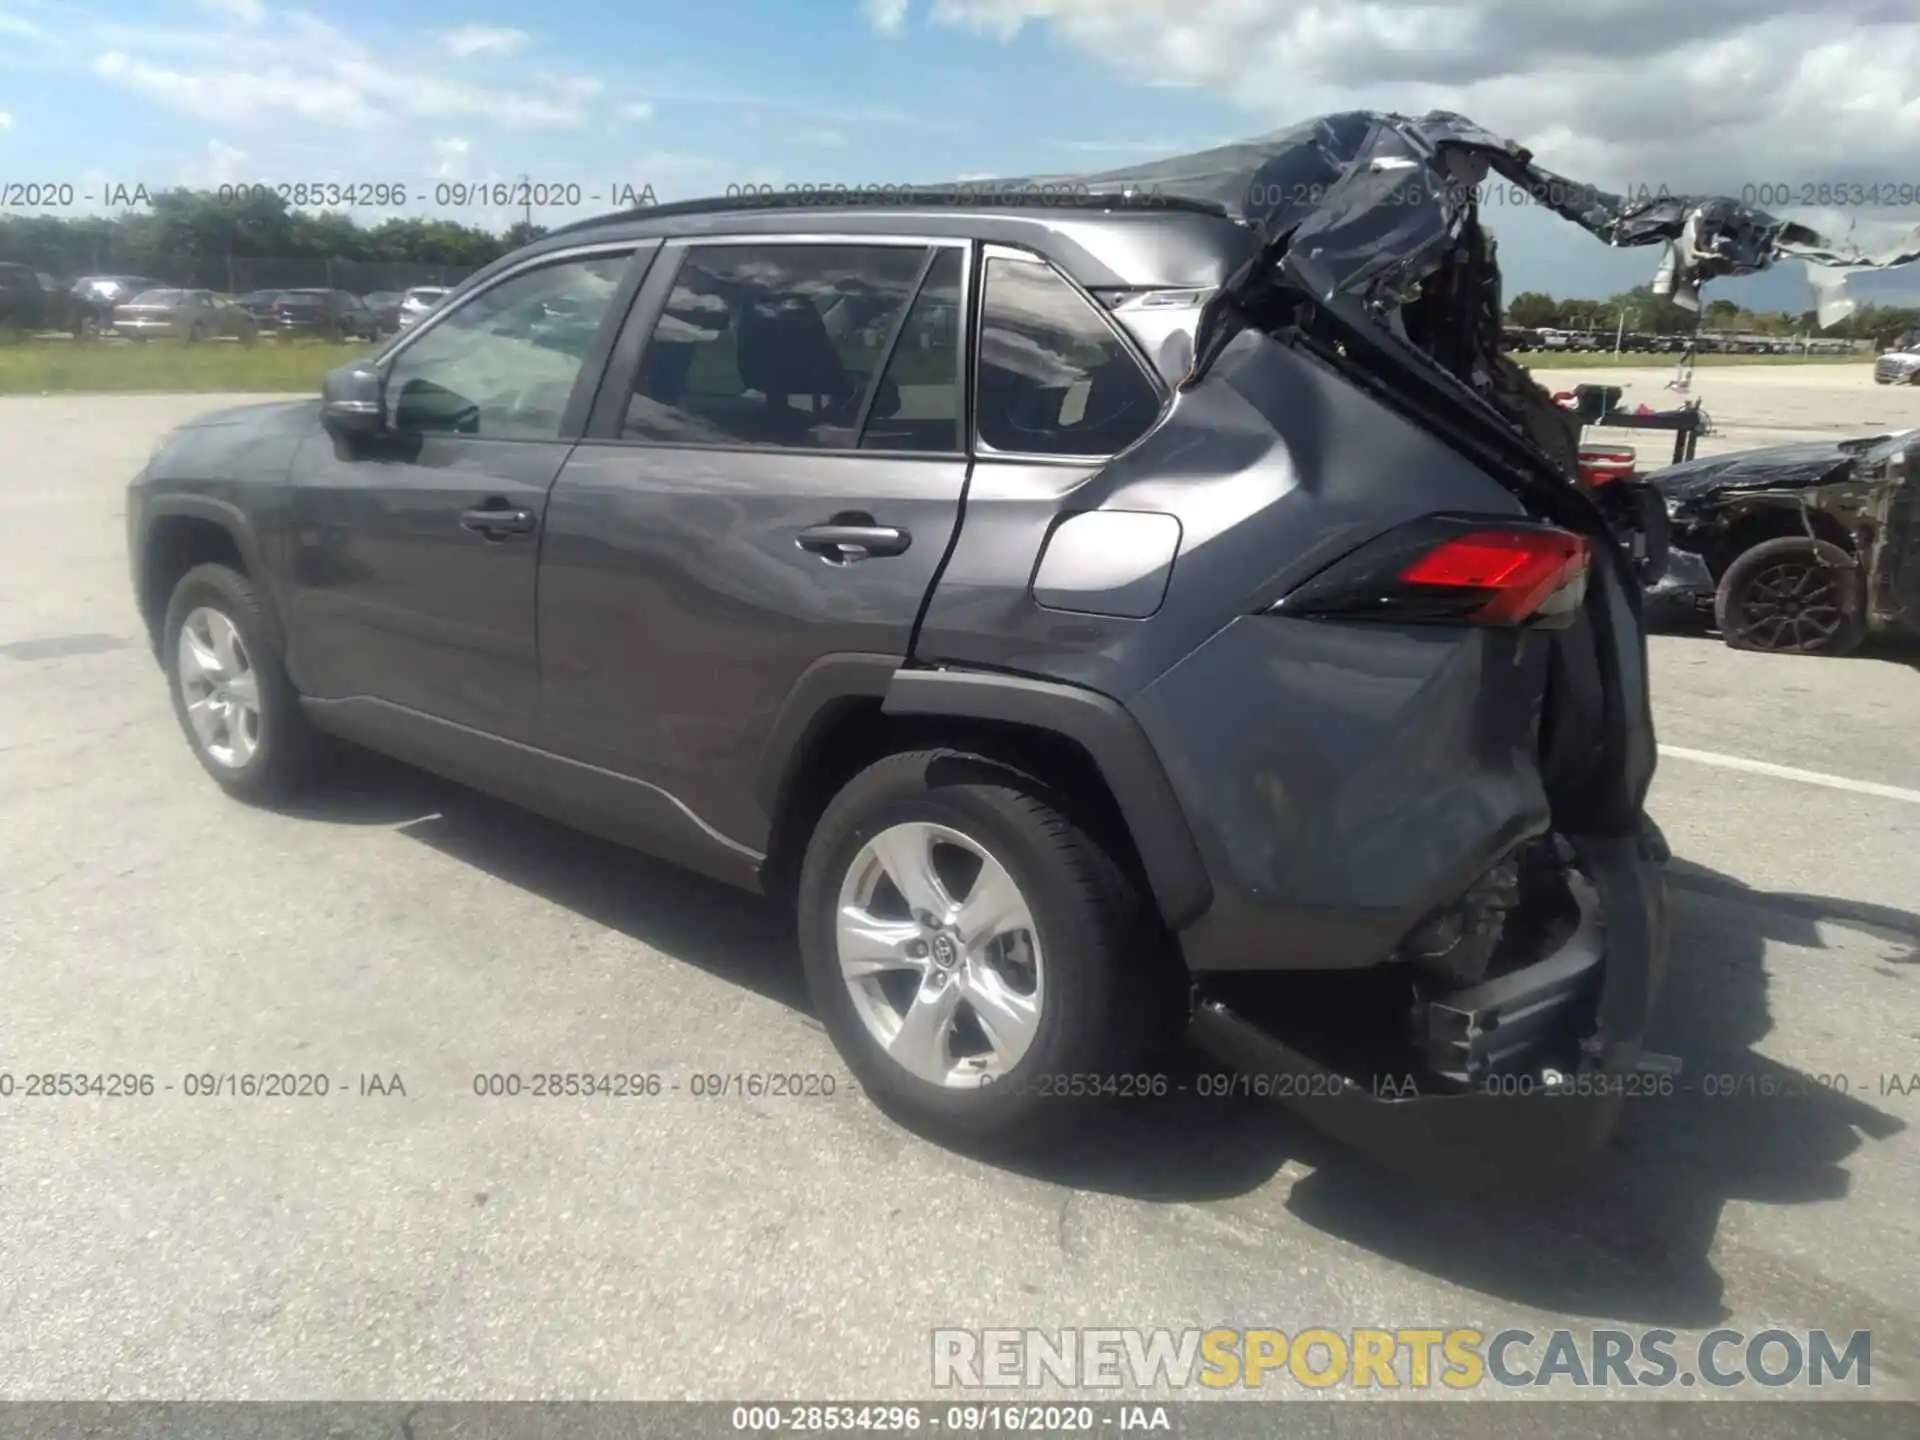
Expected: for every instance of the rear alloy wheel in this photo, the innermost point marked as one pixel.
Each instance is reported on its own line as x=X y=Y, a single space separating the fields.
x=950 y=985
x=981 y=960
x=1794 y=596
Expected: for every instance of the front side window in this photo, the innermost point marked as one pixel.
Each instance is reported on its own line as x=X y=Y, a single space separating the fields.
x=503 y=365
x=774 y=345
x=1054 y=377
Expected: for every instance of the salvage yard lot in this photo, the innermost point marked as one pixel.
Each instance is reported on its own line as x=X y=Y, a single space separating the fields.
x=440 y=1244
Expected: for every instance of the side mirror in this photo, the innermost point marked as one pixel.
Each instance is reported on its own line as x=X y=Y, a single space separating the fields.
x=352 y=402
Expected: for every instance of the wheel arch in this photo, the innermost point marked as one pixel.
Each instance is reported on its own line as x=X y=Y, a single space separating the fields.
x=1774 y=522
x=183 y=531
x=847 y=711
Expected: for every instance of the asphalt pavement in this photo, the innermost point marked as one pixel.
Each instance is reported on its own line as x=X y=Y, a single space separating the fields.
x=404 y=1237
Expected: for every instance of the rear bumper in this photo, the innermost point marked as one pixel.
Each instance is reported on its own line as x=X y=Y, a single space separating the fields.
x=1592 y=997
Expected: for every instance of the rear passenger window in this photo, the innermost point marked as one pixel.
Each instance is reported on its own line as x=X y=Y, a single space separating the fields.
x=774 y=345
x=917 y=406
x=1054 y=378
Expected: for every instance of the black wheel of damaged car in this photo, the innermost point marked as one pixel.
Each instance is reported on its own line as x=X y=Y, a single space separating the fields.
x=1794 y=596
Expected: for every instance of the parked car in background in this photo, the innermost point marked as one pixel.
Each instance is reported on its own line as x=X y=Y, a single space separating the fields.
x=1805 y=548
x=1898 y=367
x=385 y=305
x=188 y=315
x=334 y=314
x=29 y=299
x=415 y=304
x=91 y=301
x=258 y=303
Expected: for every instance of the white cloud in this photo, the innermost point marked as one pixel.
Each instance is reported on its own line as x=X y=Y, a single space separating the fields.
x=449 y=158
x=889 y=17
x=829 y=139
x=247 y=12
x=6 y=122
x=243 y=95
x=313 y=71
x=1726 y=93
x=471 y=40
x=223 y=164
x=636 y=110
x=23 y=28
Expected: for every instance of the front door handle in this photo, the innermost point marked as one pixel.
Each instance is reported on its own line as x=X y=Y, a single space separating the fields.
x=496 y=523
x=844 y=544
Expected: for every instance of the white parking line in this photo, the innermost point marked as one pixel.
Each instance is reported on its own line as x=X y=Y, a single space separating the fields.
x=1788 y=772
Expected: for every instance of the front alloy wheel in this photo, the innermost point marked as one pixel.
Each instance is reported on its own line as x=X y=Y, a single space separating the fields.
x=219 y=688
x=940 y=955
x=229 y=686
x=1792 y=595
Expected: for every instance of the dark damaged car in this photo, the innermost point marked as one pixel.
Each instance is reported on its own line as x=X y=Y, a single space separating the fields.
x=1805 y=549
x=1144 y=605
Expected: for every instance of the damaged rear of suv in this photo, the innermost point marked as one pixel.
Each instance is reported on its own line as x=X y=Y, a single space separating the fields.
x=1104 y=606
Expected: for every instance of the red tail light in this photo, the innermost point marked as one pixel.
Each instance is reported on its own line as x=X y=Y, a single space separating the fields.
x=1517 y=571
x=1453 y=570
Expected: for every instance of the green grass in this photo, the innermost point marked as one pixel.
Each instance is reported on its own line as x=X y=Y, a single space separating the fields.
x=1606 y=360
x=35 y=367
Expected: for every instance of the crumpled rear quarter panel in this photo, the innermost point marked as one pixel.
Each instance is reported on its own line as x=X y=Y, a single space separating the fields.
x=1344 y=778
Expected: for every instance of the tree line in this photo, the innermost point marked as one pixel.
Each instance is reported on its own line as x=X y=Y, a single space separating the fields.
x=250 y=237
x=200 y=238
x=1650 y=314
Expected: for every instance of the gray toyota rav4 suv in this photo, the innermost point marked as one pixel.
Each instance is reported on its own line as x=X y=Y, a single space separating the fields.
x=1081 y=612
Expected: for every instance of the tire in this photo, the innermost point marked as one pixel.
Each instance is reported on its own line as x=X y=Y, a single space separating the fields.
x=1095 y=989
x=1792 y=596
x=284 y=746
x=195 y=335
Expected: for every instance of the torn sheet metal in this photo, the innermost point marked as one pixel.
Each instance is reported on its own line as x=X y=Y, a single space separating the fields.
x=1367 y=198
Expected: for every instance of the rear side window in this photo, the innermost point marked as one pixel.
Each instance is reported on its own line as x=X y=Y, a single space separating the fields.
x=917 y=406
x=772 y=345
x=1054 y=377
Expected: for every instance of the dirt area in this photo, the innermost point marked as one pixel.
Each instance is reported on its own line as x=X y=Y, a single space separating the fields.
x=1758 y=404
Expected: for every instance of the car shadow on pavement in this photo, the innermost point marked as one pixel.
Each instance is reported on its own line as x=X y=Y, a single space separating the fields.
x=1628 y=1239
x=1632 y=1238
x=731 y=935
x=1886 y=647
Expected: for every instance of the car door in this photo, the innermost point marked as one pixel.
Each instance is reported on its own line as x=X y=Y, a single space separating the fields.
x=772 y=475
x=413 y=552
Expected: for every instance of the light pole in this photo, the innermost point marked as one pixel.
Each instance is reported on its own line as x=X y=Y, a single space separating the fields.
x=1620 y=332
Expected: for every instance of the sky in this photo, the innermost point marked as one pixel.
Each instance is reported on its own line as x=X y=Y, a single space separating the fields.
x=612 y=96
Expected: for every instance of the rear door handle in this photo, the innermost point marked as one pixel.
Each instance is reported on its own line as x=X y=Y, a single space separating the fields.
x=498 y=523
x=843 y=544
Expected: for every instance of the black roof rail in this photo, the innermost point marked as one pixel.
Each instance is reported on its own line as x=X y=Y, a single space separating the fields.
x=960 y=196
